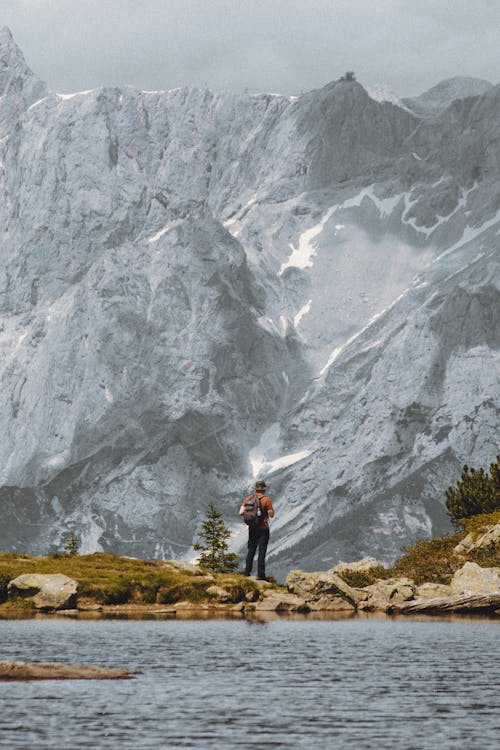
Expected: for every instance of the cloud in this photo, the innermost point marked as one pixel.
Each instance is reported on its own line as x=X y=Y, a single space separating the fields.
x=274 y=45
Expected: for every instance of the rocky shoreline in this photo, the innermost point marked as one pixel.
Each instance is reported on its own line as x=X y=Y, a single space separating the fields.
x=106 y=585
x=473 y=590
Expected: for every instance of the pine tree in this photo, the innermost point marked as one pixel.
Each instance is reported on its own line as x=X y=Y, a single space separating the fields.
x=72 y=544
x=476 y=492
x=213 y=544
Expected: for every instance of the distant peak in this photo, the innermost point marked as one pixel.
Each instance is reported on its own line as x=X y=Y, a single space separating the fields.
x=6 y=34
x=457 y=87
x=8 y=46
x=440 y=96
x=15 y=75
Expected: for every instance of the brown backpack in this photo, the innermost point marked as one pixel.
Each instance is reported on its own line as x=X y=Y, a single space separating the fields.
x=252 y=510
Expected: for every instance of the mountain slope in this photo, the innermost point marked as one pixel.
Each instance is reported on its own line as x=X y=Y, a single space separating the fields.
x=199 y=288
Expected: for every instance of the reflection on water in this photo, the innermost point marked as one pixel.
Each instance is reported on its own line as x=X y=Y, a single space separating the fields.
x=360 y=683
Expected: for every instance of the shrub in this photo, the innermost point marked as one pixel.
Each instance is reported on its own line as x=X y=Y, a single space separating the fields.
x=487 y=557
x=476 y=492
x=358 y=579
x=429 y=560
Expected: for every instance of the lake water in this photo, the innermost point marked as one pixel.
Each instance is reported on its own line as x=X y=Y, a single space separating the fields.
x=356 y=683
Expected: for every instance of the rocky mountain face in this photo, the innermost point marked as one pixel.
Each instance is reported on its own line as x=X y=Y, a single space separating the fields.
x=197 y=289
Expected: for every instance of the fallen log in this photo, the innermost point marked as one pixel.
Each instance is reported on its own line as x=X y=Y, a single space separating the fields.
x=19 y=670
x=461 y=603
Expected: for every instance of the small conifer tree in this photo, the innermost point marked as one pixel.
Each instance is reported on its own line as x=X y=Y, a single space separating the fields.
x=213 y=545
x=476 y=492
x=72 y=545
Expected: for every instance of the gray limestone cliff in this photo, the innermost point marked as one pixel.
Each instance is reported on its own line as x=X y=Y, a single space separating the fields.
x=197 y=289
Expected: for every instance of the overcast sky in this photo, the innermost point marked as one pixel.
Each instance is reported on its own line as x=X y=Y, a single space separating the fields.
x=284 y=46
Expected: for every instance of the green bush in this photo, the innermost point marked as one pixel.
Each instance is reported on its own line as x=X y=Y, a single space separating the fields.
x=476 y=492
x=358 y=579
x=429 y=560
x=487 y=557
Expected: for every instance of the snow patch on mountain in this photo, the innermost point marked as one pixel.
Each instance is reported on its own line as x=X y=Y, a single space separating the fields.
x=302 y=255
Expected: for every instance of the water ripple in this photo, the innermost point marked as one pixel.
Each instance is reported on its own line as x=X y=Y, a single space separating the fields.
x=288 y=684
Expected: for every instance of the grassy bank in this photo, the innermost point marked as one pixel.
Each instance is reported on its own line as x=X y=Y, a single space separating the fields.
x=110 y=579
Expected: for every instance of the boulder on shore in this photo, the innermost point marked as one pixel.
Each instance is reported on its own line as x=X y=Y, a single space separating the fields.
x=313 y=587
x=19 y=670
x=462 y=603
x=383 y=594
x=48 y=592
x=432 y=591
x=278 y=601
x=472 y=579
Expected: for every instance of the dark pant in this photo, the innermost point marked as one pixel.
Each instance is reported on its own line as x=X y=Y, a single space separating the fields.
x=257 y=538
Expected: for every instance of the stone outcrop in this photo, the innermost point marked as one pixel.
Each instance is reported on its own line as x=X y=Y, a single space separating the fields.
x=324 y=591
x=473 y=542
x=472 y=589
x=48 y=592
x=279 y=601
x=472 y=580
x=22 y=671
x=432 y=591
x=384 y=594
x=475 y=604
x=325 y=587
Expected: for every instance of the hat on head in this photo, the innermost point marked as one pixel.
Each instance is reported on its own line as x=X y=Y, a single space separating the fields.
x=260 y=485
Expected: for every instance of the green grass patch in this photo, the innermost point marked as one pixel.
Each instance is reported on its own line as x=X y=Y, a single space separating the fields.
x=185 y=591
x=110 y=579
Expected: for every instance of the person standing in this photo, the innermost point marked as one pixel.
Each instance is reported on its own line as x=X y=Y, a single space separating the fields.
x=258 y=529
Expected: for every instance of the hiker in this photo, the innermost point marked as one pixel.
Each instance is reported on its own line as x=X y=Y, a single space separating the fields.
x=256 y=510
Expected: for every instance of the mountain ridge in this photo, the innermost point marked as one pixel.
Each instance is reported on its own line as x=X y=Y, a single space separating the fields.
x=196 y=286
